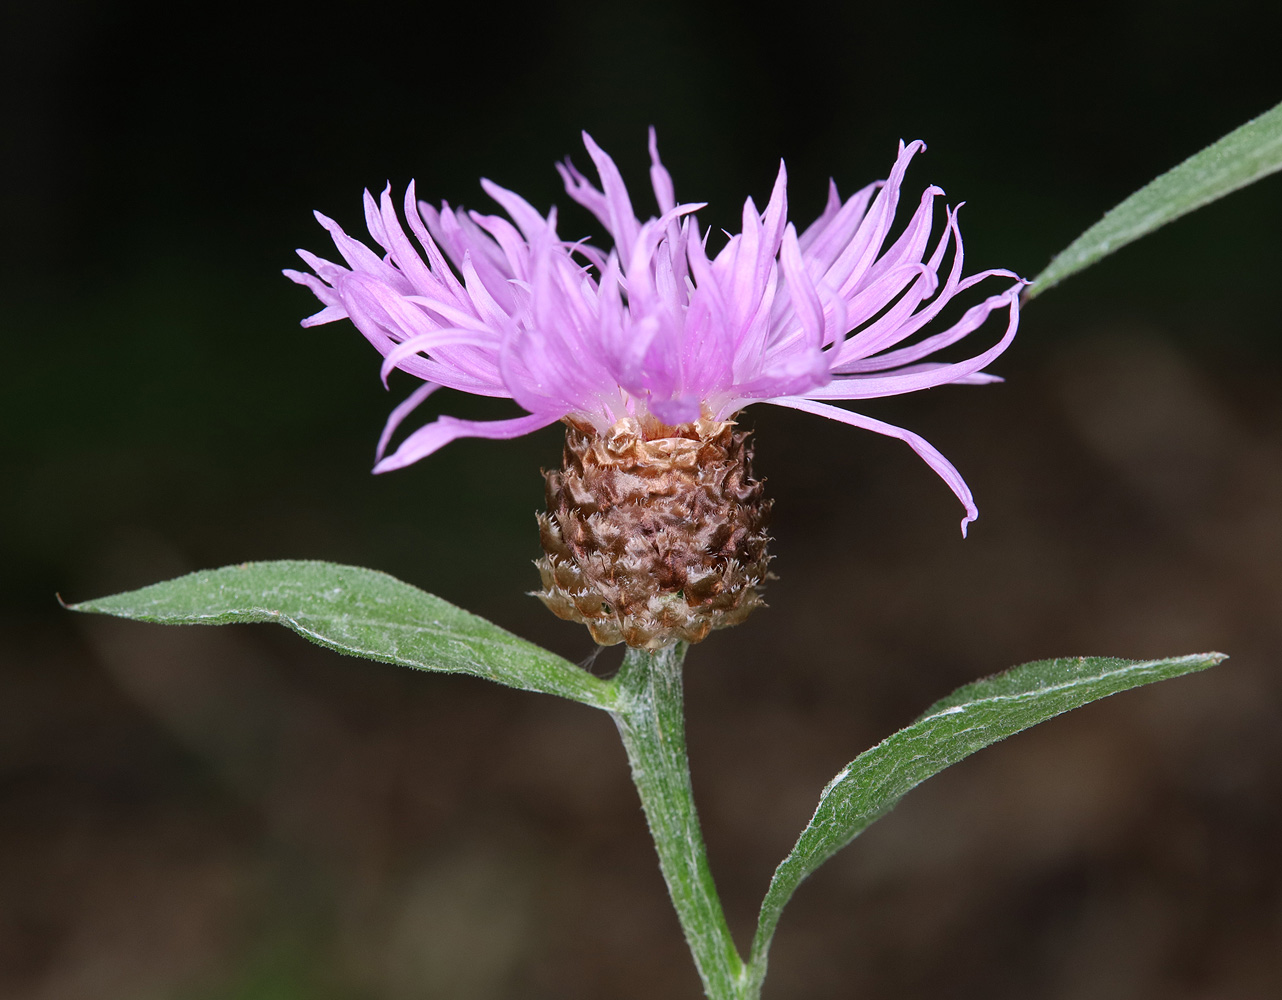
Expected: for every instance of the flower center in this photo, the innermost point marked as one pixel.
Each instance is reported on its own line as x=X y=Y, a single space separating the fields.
x=654 y=534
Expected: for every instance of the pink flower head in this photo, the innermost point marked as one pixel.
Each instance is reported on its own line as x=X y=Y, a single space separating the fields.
x=653 y=326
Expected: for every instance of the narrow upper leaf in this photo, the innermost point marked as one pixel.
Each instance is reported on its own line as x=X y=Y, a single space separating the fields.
x=1242 y=157
x=968 y=720
x=361 y=612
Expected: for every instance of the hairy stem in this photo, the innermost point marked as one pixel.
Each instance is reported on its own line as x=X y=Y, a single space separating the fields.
x=651 y=720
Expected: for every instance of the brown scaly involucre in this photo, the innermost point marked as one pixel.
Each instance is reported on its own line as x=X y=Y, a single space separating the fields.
x=654 y=534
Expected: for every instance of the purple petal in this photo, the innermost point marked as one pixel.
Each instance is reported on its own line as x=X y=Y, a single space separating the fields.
x=942 y=467
x=500 y=305
x=869 y=386
x=432 y=341
x=622 y=221
x=523 y=213
x=858 y=255
x=664 y=193
x=824 y=238
x=443 y=430
x=801 y=291
x=402 y=411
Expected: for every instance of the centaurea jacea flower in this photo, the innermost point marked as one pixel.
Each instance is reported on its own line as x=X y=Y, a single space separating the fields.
x=647 y=351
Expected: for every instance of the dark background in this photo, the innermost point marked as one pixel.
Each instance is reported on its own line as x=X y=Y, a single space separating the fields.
x=235 y=814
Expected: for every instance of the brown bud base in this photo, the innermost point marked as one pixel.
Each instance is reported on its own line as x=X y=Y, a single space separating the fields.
x=654 y=534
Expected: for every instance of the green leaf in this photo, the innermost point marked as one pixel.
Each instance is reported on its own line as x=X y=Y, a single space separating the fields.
x=361 y=612
x=1242 y=157
x=968 y=720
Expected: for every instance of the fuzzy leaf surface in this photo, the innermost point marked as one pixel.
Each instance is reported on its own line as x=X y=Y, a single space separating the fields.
x=970 y=719
x=361 y=612
x=1242 y=157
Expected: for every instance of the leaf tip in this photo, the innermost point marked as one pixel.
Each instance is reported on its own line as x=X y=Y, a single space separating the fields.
x=84 y=607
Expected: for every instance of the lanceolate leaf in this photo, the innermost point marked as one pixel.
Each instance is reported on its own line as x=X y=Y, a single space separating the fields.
x=361 y=612
x=971 y=718
x=1242 y=157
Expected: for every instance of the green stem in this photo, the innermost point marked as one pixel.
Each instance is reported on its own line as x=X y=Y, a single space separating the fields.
x=651 y=719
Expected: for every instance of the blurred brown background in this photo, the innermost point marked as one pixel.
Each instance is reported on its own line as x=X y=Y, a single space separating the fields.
x=231 y=814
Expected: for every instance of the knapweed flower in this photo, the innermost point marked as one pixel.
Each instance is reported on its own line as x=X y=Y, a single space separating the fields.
x=647 y=351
